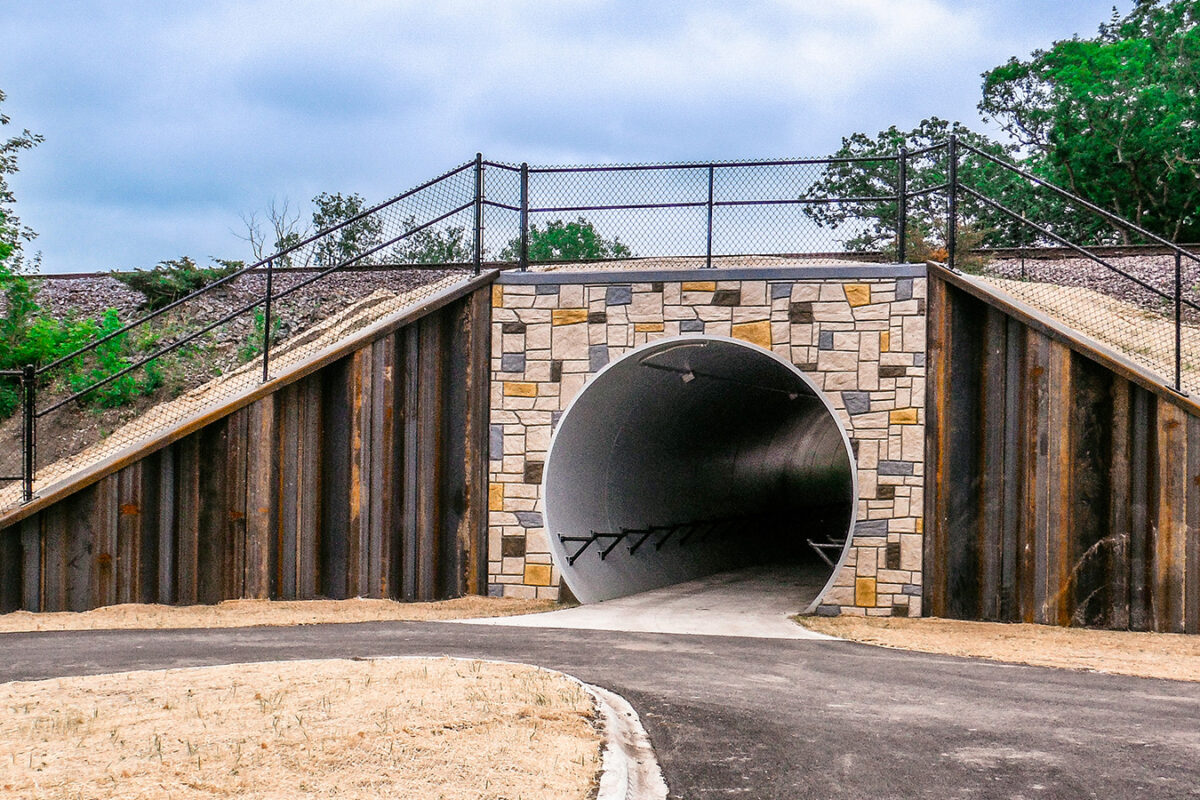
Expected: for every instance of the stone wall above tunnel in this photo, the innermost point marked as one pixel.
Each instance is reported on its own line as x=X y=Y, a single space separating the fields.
x=856 y=330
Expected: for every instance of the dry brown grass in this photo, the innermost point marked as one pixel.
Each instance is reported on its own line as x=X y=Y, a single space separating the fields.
x=245 y=613
x=1148 y=655
x=406 y=728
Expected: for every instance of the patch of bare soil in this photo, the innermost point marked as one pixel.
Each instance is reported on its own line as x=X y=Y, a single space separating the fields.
x=1148 y=655
x=247 y=613
x=388 y=728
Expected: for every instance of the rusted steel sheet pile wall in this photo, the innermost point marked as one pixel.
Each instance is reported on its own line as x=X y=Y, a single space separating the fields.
x=1064 y=486
x=362 y=477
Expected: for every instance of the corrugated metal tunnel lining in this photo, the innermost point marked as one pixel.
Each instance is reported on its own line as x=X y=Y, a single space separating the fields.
x=691 y=456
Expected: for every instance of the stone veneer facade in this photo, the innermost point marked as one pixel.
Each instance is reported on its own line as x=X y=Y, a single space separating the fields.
x=857 y=331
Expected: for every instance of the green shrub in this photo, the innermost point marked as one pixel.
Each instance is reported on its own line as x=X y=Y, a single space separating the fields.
x=175 y=279
x=254 y=342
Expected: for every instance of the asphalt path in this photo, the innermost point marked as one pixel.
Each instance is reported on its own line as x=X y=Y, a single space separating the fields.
x=767 y=718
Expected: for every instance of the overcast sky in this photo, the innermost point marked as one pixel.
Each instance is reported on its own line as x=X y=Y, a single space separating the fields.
x=165 y=122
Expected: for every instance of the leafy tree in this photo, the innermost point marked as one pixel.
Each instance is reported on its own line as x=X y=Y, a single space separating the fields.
x=1115 y=118
x=12 y=232
x=348 y=241
x=873 y=222
x=567 y=241
x=432 y=245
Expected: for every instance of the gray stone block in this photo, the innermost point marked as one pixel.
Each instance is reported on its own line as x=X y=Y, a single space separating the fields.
x=825 y=340
x=618 y=296
x=779 y=290
x=555 y=416
x=691 y=326
x=546 y=288
x=495 y=590
x=597 y=357
x=857 y=402
x=918 y=359
x=529 y=519
x=496 y=442
x=871 y=527
x=911 y=589
x=895 y=468
x=904 y=289
x=512 y=362
x=829 y=611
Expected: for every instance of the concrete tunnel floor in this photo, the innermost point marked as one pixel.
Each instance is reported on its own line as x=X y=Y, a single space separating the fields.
x=697 y=456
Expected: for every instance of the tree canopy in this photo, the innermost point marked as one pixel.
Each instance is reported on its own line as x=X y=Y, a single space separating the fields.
x=1115 y=118
x=12 y=232
x=567 y=241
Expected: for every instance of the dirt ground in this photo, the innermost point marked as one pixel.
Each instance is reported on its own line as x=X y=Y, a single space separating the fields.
x=1148 y=655
x=388 y=728
x=246 y=613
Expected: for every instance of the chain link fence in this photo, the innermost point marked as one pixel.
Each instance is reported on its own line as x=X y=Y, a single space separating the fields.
x=948 y=202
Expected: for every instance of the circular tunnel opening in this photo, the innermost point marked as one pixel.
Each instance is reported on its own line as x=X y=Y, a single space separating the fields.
x=692 y=456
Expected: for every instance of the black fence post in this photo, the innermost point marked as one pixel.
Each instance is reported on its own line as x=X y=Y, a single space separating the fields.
x=708 y=249
x=29 y=398
x=902 y=208
x=266 y=341
x=952 y=204
x=478 y=213
x=524 y=256
x=1178 y=322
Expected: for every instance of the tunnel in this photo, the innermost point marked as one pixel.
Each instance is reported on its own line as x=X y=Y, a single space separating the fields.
x=692 y=456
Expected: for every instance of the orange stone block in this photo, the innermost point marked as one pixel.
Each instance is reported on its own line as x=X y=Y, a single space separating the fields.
x=699 y=286
x=497 y=296
x=857 y=294
x=648 y=327
x=758 y=333
x=864 y=592
x=496 y=497
x=568 y=316
x=885 y=341
x=513 y=389
x=539 y=575
x=903 y=416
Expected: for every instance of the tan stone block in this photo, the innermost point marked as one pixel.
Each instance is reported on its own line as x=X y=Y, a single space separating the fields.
x=497 y=296
x=832 y=312
x=496 y=497
x=520 y=591
x=547 y=593
x=569 y=341
x=648 y=327
x=570 y=295
x=910 y=551
x=758 y=333
x=868 y=375
x=718 y=328
x=537 y=574
x=520 y=389
x=838 y=381
x=885 y=341
x=836 y=361
x=512 y=300
x=805 y=292
x=903 y=416
x=780 y=336
x=874 y=313
x=912 y=443
x=914 y=334
x=754 y=293
x=512 y=566
x=676 y=312
x=839 y=596
x=538 y=437
x=857 y=294
x=569 y=316
x=864 y=592
x=646 y=307
x=831 y=292
x=671 y=294
x=714 y=313
x=699 y=286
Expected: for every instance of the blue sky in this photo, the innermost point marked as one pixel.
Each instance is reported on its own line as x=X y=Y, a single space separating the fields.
x=166 y=122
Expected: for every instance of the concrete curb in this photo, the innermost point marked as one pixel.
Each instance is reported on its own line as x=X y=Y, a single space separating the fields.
x=630 y=770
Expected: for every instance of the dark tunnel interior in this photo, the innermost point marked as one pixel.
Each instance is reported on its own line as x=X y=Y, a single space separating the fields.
x=692 y=456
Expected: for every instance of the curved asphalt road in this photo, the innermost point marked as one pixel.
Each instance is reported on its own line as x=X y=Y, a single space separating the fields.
x=768 y=718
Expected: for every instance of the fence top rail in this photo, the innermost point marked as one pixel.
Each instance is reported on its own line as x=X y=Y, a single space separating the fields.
x=1110 y=216
x=679 y=165
x=244 y=270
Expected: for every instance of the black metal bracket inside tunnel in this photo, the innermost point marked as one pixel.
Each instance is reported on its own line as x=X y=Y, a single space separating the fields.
x=587 y=540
